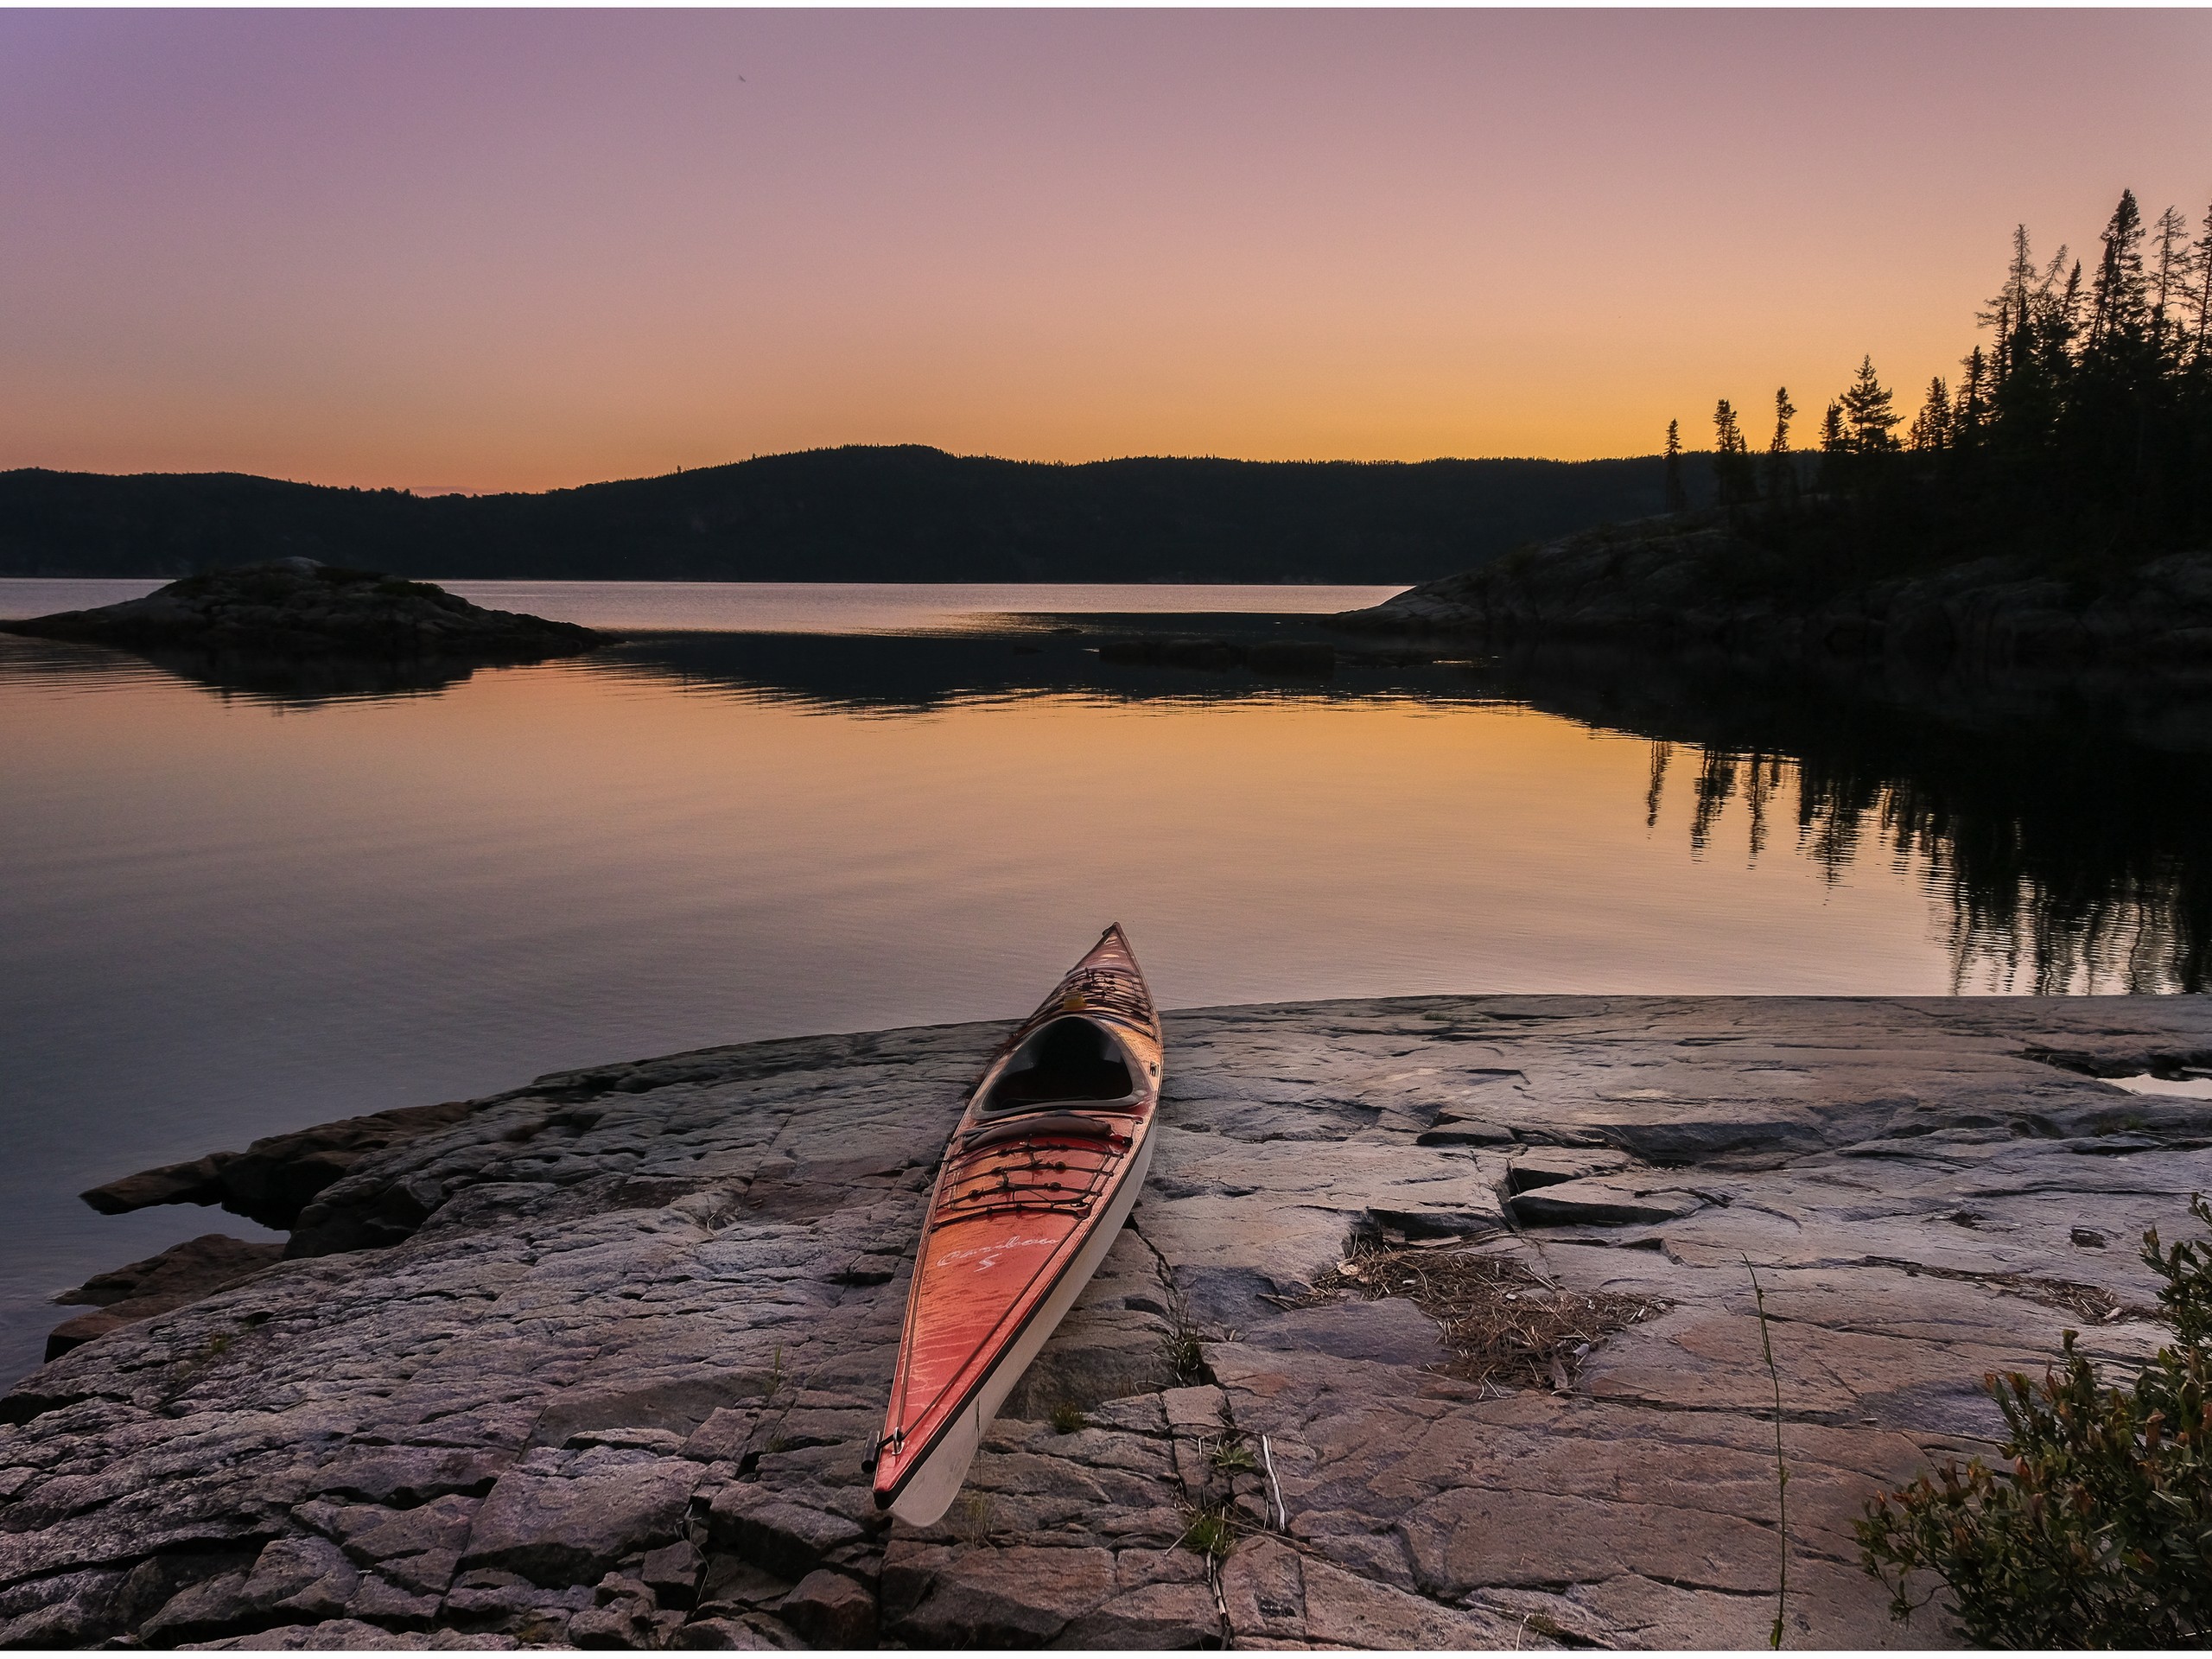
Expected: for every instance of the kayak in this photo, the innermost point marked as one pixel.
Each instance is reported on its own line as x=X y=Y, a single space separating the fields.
x=1041 y=1174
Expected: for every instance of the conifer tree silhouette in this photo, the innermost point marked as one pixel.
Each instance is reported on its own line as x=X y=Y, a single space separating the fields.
x=1974 y=397
x=2119 y=306
x=2199 y=320
x=1678 y=498
x=2169 y=275
x=1732 y=457
x=1781 y=466
x=1931 y=427
x=1867 y=414
x=2078 y=434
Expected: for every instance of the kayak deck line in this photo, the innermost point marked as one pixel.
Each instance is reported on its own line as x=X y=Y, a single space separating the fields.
x=1012 y=1167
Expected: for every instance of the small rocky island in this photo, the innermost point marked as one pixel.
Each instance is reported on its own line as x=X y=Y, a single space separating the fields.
x=298 y=609
x=1435 y=1328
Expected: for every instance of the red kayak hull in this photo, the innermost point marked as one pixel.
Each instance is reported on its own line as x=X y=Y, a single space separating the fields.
x=1039 y=1175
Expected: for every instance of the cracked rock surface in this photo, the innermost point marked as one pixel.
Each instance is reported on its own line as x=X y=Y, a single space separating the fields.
x=595 y=1362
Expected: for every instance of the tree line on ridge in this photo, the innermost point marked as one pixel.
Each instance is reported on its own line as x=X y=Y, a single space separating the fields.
x=2078 y=434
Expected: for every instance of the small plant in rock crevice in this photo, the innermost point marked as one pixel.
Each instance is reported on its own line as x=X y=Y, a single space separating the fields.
x=1181 y=1347
x=1211 y=1534
x=1232 y=1457
x=1184 y=1357
x=1068 y=1418
x=2101 y=1534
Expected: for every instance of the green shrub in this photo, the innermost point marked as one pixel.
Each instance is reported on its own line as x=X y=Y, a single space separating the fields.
x=2100 y=1535
x=1067 y=1418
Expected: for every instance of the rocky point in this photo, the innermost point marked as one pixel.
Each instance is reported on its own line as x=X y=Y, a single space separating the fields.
x=596 y=1362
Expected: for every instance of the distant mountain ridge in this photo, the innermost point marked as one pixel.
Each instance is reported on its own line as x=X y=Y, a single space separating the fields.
x=905 y=513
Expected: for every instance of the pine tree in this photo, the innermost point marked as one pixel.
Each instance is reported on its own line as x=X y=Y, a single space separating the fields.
x=1784 y=412
x=1781 y=467
x=1930 y=431
x=1867 y=413
x=2169 y=272
x=1678 y=498
x=1732 y=457
x=2200 y=298
x=1728 y=433
x=1972 y=406
x=2032 y=357
x=2055 y=308
x=2024 y=309
x=1835 y=446
x=2008 y=314
x=2119 y=306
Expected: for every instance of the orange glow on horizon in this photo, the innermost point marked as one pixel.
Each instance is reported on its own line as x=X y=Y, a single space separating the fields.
x=529 y=249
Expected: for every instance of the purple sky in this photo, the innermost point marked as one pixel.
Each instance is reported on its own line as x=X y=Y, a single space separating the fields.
x=525 y=249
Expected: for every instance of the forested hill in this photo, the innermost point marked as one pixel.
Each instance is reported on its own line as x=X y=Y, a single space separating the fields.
x=902 y=514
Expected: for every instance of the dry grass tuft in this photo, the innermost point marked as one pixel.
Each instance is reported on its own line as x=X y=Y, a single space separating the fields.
x=973 y=1521
x=1506 y=1326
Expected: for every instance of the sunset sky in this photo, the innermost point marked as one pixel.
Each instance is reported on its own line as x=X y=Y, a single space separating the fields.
x=521 y=250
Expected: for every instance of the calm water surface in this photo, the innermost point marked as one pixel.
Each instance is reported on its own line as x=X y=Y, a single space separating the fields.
x=226 y=911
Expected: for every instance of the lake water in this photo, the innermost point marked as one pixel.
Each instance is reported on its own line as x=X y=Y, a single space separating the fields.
x=230 y=909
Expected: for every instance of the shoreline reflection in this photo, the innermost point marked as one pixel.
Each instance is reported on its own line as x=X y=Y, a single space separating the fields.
x=2067 y=861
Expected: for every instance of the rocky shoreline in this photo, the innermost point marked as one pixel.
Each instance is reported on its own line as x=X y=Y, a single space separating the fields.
x=1692 y=580
x=594 y=1362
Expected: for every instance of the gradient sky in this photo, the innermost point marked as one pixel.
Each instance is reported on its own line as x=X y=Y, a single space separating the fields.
x=519 y=250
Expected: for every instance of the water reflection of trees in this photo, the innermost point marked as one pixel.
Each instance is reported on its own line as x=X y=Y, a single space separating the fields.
x=2070 y=870
x=2065 y=859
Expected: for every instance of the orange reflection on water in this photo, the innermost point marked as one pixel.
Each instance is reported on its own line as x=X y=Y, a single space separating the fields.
x=599 y=863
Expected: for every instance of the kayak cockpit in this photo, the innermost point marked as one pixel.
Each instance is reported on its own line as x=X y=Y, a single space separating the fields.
x=1070 y=1060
